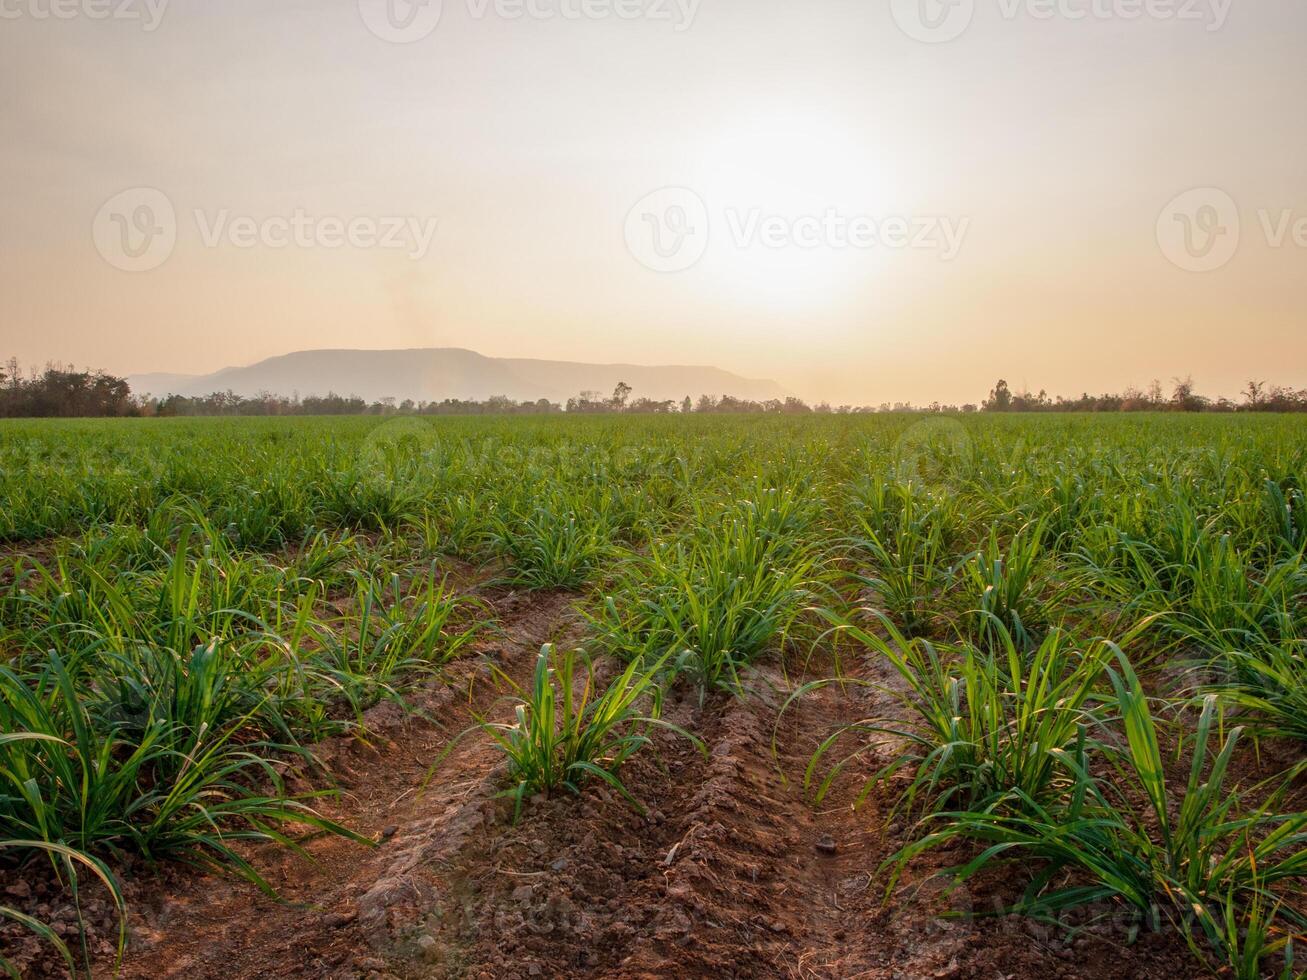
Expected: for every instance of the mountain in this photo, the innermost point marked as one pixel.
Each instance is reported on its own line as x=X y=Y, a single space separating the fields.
x=434 y=374
x=160 y=383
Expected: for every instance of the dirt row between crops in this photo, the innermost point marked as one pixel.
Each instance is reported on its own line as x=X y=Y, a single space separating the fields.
x=731 y=871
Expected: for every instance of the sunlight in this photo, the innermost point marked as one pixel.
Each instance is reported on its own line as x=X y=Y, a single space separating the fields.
x=774 y=181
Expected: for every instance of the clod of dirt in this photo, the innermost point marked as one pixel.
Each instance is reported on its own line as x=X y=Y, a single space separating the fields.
x=389 y=832
x=826 y=846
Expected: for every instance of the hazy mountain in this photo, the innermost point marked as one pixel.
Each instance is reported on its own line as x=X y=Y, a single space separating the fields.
x=160 y=383
x=433 y=374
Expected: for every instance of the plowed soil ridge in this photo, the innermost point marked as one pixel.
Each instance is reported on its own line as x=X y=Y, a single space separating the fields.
x=728 y=869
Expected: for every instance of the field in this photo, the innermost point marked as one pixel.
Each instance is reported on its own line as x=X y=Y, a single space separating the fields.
x=822 y=696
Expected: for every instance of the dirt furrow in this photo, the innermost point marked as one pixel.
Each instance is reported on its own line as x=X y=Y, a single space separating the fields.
x=729 y=872
x=342 y=910
x=728 y=867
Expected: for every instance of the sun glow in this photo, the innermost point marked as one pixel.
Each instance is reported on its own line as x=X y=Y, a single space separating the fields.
x=780 y=189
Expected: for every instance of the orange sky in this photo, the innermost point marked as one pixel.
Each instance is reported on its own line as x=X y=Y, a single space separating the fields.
x=860 y=214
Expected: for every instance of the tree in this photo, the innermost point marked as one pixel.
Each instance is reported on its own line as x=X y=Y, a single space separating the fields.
x=687 y=406
x=63 y=392
x=1253 y=394
x=620 y=394
x=1000 y=399
x=1155 y=393
x=1184 y=399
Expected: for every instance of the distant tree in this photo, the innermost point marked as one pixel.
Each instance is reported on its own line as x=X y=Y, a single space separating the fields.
x=1155 y=394
x=588 y=403
x=1000 y=399
x=647 y=406
x=1184 y=399
x=687 y=406
x=63 y=392
x=1253 y=394
x=1133 y=400
x=620 y=394
x=1280 y=399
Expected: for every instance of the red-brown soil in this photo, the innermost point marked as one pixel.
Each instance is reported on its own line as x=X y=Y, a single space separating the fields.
x=730 y=872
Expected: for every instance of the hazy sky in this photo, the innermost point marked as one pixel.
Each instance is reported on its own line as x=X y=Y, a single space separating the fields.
x=863 y=205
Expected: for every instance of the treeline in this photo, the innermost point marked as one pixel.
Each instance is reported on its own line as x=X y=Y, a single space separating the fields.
x=1257 y=396
x=62 y=392
x=591 y=402
x=230 y=403
x=586 y=403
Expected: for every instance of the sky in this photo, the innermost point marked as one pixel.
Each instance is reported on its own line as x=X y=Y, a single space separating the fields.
x=866 y=201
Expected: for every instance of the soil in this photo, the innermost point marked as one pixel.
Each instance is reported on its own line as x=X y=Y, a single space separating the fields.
x=731 y=870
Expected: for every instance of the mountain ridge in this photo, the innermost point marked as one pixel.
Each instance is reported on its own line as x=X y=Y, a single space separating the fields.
x=437 y=373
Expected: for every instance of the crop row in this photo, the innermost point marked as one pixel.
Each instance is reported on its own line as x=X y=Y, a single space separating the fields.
x=189 y=604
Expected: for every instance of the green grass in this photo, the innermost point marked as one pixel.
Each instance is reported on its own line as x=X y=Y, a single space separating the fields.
x=566 y=731
x=985 y=726
x=1213 y=860
x=710 y=601
x=185 y=604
